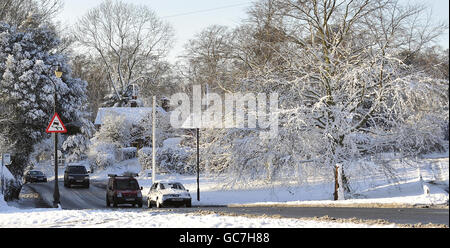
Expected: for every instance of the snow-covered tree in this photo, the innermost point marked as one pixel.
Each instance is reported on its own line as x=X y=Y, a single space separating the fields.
x=346 y=93
x=15 y=12
x=125 y=37
x=115 y=130
x=28 y=83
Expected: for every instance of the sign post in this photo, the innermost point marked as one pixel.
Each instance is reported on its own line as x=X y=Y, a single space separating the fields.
x=56 y=126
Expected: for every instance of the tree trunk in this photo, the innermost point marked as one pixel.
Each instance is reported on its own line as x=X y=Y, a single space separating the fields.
x=336 y=183
x=340 y=183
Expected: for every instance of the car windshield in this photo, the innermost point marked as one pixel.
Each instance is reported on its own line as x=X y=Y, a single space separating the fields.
x=35 y=173
x=77 y=169
x=123 y=184
x=172 y=186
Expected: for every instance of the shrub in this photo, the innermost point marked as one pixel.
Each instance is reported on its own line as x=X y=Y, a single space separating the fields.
x=128 y=153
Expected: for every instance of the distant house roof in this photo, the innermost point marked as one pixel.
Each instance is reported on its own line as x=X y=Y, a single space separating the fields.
x=195 y=120
x=132 y=114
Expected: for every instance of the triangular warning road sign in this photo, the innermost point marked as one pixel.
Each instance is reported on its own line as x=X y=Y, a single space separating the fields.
x=56 y=125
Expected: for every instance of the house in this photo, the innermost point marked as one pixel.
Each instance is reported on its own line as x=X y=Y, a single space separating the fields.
x=135 y=115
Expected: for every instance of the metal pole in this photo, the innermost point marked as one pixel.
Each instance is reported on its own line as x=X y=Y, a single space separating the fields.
x=56 y=188
x=2 y=175
x=153 y=140
x=198 y=166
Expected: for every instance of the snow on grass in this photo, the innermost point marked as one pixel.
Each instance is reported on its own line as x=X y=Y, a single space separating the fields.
x=4 y=206
x=407 y=189
x=39 y=218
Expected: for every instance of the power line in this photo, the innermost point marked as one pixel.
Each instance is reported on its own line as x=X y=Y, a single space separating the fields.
x=205 y=10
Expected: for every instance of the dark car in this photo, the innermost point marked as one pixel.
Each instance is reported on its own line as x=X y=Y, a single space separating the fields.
x=35 y=176
x=123 y=190
x=76 y=175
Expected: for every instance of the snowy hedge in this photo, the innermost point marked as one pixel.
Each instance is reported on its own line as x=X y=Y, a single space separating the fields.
x=128 y=153
x=102 y=155
x=11 y=186
x=168 y=159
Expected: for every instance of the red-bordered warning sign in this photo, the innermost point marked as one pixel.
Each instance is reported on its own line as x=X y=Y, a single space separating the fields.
x=56 y=125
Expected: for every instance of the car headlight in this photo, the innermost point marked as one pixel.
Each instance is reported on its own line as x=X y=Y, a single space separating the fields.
x=86 y=177
x=119 y=194
x=139 y=194
x=70 y=177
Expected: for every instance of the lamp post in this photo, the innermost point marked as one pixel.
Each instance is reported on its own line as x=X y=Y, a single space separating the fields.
x=198 y=163
x=58 y=74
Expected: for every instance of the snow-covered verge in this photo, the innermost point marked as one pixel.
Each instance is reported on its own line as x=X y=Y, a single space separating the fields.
x=10 y=185
x=407 y=190
x=4 y=206
x=42 y=218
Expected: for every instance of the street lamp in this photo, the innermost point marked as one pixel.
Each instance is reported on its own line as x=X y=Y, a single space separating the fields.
x=58 y=74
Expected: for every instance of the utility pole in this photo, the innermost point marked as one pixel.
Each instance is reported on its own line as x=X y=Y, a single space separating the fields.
x=153 y=140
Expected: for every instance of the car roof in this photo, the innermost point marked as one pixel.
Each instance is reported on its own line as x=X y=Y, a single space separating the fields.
x=170 y=182
x=122 y=177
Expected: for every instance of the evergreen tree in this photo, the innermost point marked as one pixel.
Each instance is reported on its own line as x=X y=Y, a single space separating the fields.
x=28 y=59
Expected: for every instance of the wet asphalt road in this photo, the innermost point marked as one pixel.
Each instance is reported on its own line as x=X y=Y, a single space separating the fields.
x=94 y=198
x=394 y=215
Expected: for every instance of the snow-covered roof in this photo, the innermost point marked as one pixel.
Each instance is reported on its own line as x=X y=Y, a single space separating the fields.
x=132 y=114
x=191 y=122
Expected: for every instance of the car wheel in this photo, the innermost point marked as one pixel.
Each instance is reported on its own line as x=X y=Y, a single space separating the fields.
x=108 y=204
x=188 y=204
x=149 y=203
x=139 y=204
x=114 y=202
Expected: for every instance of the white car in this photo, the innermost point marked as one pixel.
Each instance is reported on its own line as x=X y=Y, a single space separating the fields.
x=168 y=193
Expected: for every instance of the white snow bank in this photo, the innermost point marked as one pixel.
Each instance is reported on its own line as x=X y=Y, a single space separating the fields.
x=154 y=219
x=4 y=206
x=6 y=173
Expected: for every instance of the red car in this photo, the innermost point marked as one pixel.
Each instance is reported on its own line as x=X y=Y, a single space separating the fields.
x=123 y=190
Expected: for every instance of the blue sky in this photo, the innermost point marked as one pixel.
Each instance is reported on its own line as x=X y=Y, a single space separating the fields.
x=208 y=12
